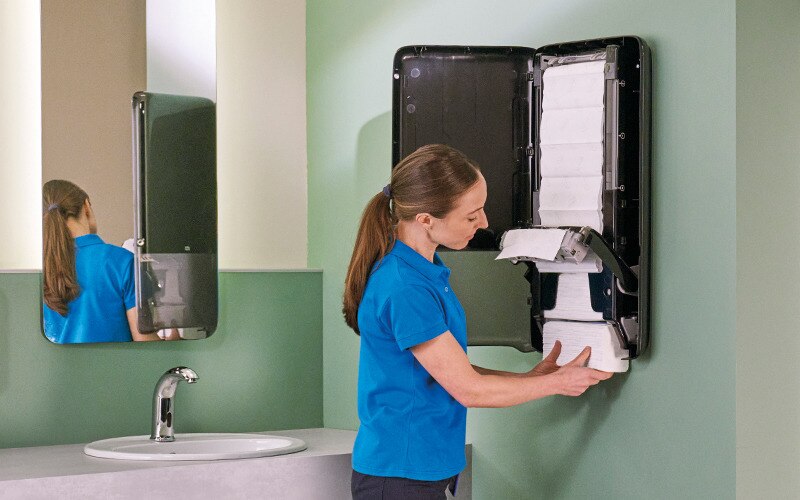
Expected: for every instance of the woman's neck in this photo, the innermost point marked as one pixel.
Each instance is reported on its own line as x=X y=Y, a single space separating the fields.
x=415 y=236
x=78 y=227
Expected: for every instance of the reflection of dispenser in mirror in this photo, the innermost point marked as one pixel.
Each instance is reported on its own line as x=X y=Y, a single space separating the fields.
x=574 y=172
x=176 y=213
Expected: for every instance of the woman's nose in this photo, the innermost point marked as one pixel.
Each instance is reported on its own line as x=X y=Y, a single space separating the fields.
x=484 y=221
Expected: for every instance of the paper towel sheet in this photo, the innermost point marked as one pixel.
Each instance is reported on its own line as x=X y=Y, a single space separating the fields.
x=532 y=243
x=554 y=218
x=577 y=85
x=606 y=354
x=580 y=68
x=571 y=193
x=572 y=125
x=590 y=264
x=572 y=160
x=573 y=301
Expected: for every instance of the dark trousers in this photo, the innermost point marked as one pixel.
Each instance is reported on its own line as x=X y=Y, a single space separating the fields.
x=366 y=487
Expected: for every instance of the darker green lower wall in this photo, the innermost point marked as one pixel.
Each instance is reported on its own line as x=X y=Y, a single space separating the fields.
x=261 y=370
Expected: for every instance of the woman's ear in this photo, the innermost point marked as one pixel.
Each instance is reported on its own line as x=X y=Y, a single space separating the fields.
x=426 y=220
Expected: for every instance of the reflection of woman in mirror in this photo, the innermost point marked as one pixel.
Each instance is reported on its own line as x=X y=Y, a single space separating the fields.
x=88 y=290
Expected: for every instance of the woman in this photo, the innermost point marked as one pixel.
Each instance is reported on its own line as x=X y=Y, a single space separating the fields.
x=88 y=289
x=415 y=380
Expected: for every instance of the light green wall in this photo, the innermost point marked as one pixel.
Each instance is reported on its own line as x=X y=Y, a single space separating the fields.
x=768 y=275
x=261 y=370
x=667 y=428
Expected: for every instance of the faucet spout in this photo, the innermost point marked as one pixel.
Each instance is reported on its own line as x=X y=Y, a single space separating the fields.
x=163 y=405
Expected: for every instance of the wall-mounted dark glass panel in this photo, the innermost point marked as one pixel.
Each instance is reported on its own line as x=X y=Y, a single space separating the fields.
x=176 y=213
x=474 y=99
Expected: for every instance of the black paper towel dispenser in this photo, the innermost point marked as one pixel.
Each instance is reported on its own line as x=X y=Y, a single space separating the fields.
x=487 y=102
x=175 y=186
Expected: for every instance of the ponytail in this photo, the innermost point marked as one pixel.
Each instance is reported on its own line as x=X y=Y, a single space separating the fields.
x=374 y=240
x=60 y=201
x=429 y=180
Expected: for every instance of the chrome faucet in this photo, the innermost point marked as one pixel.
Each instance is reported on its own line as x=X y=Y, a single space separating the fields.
x=163 y=412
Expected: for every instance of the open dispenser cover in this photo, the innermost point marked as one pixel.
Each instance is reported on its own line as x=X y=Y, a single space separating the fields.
x=561 y=134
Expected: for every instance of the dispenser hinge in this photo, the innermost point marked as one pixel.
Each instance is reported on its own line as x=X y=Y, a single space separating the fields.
x=530 y=151
x=534 y=76
x=611 y=62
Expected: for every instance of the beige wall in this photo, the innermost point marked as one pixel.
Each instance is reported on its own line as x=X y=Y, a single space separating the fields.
x=20 y=136
x=261 y=112
x=93 y=60
x=261 y=135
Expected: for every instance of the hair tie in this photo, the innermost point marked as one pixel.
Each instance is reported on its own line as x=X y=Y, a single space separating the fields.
x=387 y=191
x=53 y=206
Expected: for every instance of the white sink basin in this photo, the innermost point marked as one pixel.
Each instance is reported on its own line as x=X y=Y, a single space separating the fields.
x=195 y=447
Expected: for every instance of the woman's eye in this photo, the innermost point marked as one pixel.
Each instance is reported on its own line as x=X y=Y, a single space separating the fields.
x=472 y=219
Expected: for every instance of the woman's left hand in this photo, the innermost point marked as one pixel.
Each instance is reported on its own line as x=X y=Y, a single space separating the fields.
x=548 y=364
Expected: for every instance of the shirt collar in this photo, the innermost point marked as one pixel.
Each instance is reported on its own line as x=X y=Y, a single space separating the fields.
x=431 y=270
x=88 y=239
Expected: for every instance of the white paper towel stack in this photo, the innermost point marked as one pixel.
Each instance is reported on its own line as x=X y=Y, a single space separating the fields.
x=573 y=300
x=607 y=354
x=571 y=142
x=571 y=194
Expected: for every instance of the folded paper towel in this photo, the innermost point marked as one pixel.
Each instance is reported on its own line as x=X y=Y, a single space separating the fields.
x=607 y=354
x=573 y=299
x=532 y=243
x=577 y=85
x=542 y=245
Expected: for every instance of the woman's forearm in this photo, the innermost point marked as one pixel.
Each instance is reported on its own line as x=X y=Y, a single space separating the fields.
x=502 y=389
x=479 y=387
x=473 y=386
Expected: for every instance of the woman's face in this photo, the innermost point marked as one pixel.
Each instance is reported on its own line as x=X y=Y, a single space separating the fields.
x=467 y=216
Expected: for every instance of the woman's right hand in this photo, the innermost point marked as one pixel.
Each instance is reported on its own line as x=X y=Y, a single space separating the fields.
x=573 y=378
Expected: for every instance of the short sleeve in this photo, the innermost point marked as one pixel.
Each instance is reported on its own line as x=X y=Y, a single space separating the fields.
x=413 y=315
x=128 y=283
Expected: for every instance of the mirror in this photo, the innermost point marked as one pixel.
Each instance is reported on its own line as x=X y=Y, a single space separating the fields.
x=95 y=56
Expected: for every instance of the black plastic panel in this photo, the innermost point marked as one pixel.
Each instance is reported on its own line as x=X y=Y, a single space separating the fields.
x=176 y=211
x=474 y=99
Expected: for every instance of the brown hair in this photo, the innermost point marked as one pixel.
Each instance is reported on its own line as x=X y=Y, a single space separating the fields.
x=429 y=180
x=60 y=201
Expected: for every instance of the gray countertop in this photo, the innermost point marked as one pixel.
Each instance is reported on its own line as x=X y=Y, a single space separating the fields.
x=322 y=471
x=69 y=460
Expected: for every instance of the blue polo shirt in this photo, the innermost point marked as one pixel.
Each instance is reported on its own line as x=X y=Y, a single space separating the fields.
x=410 y=426
x=107 y=291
